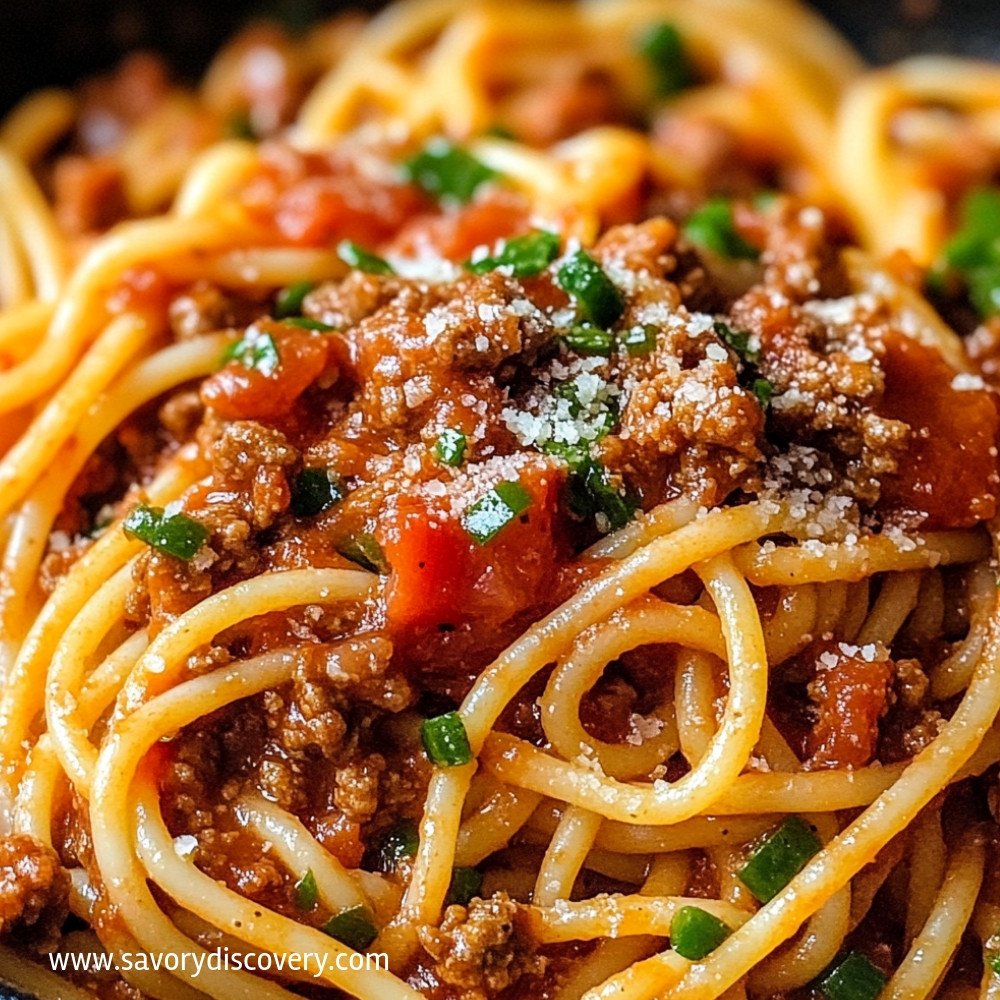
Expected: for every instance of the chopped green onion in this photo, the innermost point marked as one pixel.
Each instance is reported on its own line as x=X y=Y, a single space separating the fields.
x=362 y=260
x=489 y=515
x=354 y=927
x=499 y=131
x=446 y=740
x=853 y=978
x=466 y=884
x=526 y=255
x=591 y=493
x=306 y=323
x=314 y=491
x=399 y=843
x=973 y=252
x=600 y=301
x=695 y=933
x=712 y=227
x=364 y=549
x=255 y=350
x=174 y=534
x=736 y=340
x=306 y=891
x=764 y=391
x=239 y=126
x=639 y=340
x=447 y=171
x=289 y=300
x=450 y=446
x=779 y=858
x=587 y=339
x=663 y=48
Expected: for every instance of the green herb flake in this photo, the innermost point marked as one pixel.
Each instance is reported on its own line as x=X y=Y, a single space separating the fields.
x=595 y=293
x=314 y=491
x=525 y=256
x=736 y=340
x=398 y=844
x=307 y=323
x=853 y=978
x=779 y=858
x=639 y=340
x=587 y=339
x=446 y=741
x=591 y=493
x=361 y=259
x=447 y=171
x=306 y=891
x=255 y=350
x=364 y=549
x=449 y=449
x=239 y=126
x=289 y=300
x=489 y=515
x=354 y=927
x=763 y=390
x=175 y=535
x=695 y=933
x=663 y=48
x=466 y=884
x=712 y=227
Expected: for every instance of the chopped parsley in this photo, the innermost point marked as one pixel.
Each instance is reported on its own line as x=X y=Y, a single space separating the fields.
x=591 y=493
x=639 y=340
x=490 y=514
x=314 y=491
x=466 y=884
x=447 y=171
x=450 y=447
x=289 y=300
x=736 y=340
x=255 y=350
x=712 y=227
x=763 y=390
x=307 y=323
x=740 y=343
x=398 y=844
x=973 y=252
x=364 y=549
x=595 y=293
x=175 y=535
x=663 y=48
x=525 y=256
x=354 y=927
x=239 y=126
x=306 y=891
x=362 y=260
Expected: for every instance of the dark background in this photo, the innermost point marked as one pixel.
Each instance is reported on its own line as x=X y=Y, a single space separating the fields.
x=58 y=41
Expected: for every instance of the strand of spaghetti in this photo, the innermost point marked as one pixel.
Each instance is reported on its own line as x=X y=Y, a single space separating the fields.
x=565 y=855
x=68 y=728
x=832 y=600
x=130 y=245
x=920 y=971
x=300 y=852
x=694 y=700
x=22 y=697
x=788 y=630
x=614 y=916
x=216 y=175
x=928 y=857
x=117 y=825
x=659 y=972
x=822 y=937
x=927 y=620
x=16 y=288
x=839 y=861
x=952 y=674
x=37 y=122
x=111 y=352
x=179 y=878
x=895 y=601
x=22 y=558
x=518 y=762
x=706 y=782
x=164 y=660
x=22 y=326
x=645 y=528
x=855 y=609
x=651 y=622
x=668 y=876
x=21 y=973
x=257 y=267
x=25 y=206
x=490 y=828
x=819 y=563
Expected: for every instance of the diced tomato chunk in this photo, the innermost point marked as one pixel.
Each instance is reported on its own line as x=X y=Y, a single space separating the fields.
x=441 y=576
x=240 y=392
x=949 y=477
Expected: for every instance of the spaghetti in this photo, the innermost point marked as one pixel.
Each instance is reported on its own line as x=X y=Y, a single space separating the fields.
x=511 y=489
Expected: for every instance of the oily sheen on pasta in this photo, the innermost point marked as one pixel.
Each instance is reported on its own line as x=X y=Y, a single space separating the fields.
x=507 y=490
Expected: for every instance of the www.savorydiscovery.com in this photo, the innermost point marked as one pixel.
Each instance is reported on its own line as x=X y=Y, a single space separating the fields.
x=194 y=963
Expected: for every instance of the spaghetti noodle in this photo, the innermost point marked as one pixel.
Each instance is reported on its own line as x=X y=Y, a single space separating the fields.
x=512 y=489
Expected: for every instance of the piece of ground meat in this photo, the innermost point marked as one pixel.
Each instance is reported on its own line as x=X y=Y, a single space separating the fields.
x=480 y=949
x=34 y=890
